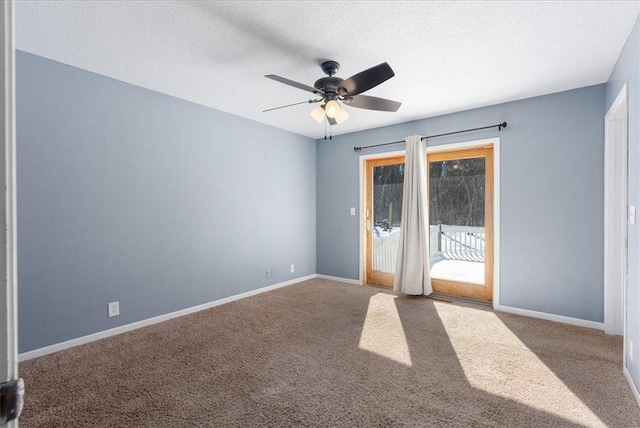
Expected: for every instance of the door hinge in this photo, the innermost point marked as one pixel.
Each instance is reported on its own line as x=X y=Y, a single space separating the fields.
x=11 y=400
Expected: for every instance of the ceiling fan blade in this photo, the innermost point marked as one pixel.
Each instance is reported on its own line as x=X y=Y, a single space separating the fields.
x=294 y=104
x=372 y=103
x=366 y=80
x=294 y=84
x=332 y=121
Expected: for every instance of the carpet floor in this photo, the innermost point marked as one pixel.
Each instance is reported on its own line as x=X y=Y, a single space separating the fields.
x=320 y=353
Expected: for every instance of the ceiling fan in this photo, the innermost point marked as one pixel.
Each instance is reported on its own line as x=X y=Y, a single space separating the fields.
x=332 y=89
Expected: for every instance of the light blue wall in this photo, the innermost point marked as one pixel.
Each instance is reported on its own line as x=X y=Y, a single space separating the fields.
x=627 y=70
x=551 y=244
x=128 y=195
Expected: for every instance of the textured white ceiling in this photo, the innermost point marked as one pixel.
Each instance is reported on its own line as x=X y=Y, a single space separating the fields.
x=447 y=56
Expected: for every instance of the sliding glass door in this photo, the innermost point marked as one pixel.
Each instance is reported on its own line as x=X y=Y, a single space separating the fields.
x=461 y=222
x=460 y=217
x=383 y=218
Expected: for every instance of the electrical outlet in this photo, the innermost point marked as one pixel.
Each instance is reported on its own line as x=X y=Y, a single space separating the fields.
x=267 y=274
x=292 y=268
x=273 y=273
x=114 y=309
x=630 y=350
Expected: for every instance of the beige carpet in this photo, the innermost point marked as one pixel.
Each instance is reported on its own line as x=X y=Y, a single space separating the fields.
x=321 y=353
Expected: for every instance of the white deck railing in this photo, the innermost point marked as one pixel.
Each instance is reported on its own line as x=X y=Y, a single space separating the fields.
x=446 y=242
x=385 y=252
x=460 y=243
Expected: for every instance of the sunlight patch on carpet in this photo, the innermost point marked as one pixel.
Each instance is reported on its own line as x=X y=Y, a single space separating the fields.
x=382 y=315
x=502 y=364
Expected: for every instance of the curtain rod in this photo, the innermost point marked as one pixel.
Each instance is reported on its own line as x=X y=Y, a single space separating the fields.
x=499 y=126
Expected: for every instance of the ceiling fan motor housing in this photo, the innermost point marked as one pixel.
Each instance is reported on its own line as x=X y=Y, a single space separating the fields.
x=329 y=85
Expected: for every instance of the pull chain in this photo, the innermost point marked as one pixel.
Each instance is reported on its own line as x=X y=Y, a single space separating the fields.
x=325 y=128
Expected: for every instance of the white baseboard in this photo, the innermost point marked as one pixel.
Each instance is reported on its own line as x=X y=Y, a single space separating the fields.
x=634 y=389
x=150 y=321
x=143 y=323
x=552 y=317
x=338 y=279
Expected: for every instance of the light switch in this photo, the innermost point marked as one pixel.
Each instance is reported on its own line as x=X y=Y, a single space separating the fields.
x=632 y=214
x=353 y=210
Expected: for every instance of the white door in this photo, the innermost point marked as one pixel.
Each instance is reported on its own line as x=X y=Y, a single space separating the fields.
x=10 y=386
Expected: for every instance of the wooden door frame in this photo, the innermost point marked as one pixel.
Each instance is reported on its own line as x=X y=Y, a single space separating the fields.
x=496 y=203
x=495 y=142
x=370 y=276
x=363 y=227
x=452 y=287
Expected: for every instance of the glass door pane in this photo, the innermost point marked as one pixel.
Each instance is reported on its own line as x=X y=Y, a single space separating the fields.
x=387 y=215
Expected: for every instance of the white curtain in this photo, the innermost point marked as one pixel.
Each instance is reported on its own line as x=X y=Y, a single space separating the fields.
x=412 y=266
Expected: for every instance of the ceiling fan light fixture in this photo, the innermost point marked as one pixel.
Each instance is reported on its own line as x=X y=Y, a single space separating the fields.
x=317 y=114
x=342 y=116
x=332 y=108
